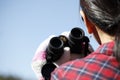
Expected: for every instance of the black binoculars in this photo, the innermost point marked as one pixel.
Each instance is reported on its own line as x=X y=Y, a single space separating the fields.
x=76 y=41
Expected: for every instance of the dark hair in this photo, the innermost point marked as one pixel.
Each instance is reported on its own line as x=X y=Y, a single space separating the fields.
x=105 y=14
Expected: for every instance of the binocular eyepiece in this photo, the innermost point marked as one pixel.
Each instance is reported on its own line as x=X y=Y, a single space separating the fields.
x=76 y=40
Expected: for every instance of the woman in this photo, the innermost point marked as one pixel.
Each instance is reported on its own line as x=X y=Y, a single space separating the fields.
x=102 y=19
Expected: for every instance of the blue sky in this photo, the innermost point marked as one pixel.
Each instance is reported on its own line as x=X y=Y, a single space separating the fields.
x=24 y=24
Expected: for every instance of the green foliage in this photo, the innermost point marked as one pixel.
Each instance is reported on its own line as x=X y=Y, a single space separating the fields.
x=9 y=78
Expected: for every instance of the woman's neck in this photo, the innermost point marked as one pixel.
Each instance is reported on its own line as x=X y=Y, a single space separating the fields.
x=104 y=37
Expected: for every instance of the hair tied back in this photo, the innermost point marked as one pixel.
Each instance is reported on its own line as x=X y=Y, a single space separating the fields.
x=117 y=19
x=115 y=22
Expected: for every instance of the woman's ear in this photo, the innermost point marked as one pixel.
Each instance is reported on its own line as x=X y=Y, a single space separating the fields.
x=89 y=25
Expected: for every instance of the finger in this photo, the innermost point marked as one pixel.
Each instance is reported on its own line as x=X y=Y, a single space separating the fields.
x=66 y=33
x=64 y=58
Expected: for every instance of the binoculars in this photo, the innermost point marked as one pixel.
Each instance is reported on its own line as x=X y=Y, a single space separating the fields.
x=76 y=41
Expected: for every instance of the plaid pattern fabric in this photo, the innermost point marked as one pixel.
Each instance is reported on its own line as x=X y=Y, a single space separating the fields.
x=99 y=65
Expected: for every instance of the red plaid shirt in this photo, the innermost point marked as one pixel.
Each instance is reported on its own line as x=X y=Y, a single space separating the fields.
x=99 y=65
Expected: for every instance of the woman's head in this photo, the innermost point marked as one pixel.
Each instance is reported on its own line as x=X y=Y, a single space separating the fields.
x=105 y=14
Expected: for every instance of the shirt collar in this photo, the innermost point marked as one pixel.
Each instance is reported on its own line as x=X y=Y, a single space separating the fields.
x=106 y=48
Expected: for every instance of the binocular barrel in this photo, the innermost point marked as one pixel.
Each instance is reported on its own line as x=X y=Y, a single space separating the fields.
x=55 y=49
x=75 y=40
